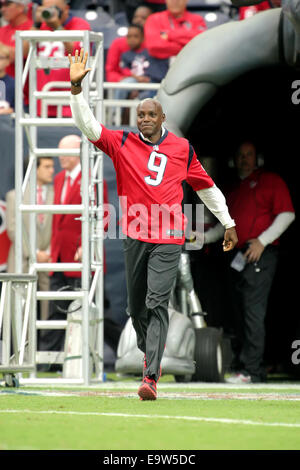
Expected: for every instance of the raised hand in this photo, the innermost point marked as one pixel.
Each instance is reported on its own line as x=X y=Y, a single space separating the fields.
x=77 y=67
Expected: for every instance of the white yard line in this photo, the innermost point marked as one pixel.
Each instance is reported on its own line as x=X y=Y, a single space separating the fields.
x=111 y=385
x=166 y=395
x=162 y=417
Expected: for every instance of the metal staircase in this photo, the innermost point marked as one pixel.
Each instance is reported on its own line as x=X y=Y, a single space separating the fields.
x=91 y=215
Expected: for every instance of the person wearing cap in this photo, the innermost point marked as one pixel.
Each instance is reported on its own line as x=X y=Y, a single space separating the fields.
x=15 y=14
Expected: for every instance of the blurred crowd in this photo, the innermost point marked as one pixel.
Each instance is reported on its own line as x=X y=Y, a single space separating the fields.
x=141 y=38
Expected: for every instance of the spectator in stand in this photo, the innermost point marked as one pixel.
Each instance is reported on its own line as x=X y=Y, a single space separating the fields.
x=60 y=19
x=141 y=14
x=7 y=83
x=167 y=32
x=131 y=6
x=138 y=66
x=120 y=45
x=247 y=12
x=15 y=13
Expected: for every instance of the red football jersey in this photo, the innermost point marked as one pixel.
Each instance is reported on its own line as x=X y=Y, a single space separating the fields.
x=57 y=49
x=149 y=182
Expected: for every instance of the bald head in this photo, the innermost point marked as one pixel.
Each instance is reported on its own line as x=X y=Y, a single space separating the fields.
x=150 y=102
x=71 y=141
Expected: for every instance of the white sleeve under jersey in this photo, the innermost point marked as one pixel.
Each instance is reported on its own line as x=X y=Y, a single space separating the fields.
x=84 y=118
x=215 y=201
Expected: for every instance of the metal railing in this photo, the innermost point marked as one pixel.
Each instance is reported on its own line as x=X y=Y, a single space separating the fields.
x=90 y=210
x=112 y=108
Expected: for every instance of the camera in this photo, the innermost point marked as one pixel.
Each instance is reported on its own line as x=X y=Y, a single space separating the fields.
x=48 y=13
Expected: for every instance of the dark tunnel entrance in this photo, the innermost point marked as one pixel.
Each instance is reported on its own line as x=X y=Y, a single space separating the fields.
x=261 y=105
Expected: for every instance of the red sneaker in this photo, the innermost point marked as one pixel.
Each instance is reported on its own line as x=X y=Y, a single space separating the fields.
x=147 y=390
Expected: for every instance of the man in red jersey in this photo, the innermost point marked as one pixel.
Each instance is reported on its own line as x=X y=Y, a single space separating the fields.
x=59 y=20
x=167 y=32
x=15 y=13
x=150 y=166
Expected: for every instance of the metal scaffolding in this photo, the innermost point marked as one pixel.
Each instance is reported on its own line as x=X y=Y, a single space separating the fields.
x=90 y=210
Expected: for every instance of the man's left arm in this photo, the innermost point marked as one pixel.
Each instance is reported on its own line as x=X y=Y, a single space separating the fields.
x=273 y=232
x=279 y=225
x=215 y=201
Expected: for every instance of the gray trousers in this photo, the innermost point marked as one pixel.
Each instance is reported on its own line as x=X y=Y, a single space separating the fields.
x=151 y=271
x=251 y=288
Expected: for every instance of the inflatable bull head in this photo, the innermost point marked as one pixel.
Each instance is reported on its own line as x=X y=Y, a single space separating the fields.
x=220 y=55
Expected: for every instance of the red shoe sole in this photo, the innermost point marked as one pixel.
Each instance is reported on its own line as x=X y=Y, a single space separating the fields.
x=145 y=392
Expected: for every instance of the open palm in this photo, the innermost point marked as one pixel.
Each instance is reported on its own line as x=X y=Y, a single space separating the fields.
x=77 y=66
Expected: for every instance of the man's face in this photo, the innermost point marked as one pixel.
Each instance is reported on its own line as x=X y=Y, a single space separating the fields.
x=245 y=160
x=176 y=7
x=69 y=142
x=140 y=15
x=150 y=118
x=11 y=10
x=45 y=171
x=68 y=163
x=134 y=38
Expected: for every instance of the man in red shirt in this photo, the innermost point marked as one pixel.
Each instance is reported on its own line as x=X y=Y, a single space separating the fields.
x=15 y=13
x=61 y=19
x=167 y=32
x=261 y=205
x=150 y=167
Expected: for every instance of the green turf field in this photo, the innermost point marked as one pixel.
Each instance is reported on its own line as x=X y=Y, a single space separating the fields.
x=186 y=416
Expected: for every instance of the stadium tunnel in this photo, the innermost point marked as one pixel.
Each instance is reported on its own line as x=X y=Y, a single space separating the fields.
x=244 y=84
